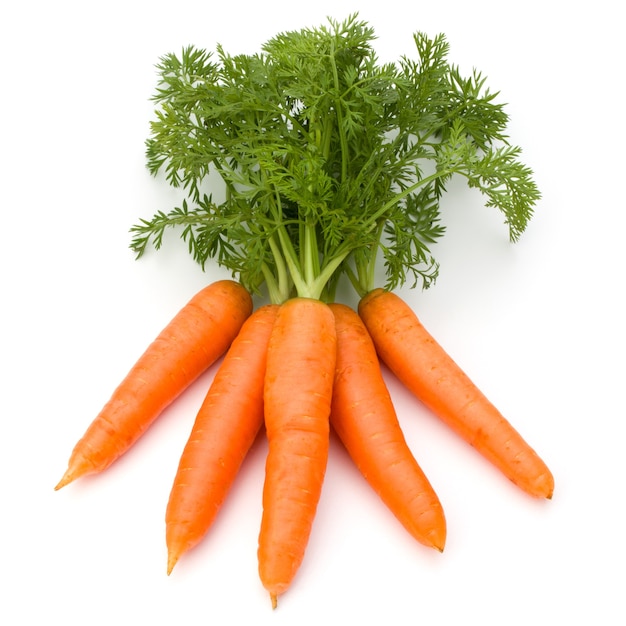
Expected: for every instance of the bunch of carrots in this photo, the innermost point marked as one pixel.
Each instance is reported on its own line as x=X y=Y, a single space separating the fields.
x=321 y=152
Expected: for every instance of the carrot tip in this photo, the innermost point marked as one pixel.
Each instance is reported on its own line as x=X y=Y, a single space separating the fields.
x=68 y=477
x=171 y=562
x=274 y=599
x=77 y=467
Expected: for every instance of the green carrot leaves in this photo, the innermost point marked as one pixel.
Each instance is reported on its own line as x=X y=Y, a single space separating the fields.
x=325 y=158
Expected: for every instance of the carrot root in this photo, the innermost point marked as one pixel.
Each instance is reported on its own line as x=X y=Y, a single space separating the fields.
x=298 y=389
x=424 y=367
x=365 y=420
x=193 y=340
x=225 y=428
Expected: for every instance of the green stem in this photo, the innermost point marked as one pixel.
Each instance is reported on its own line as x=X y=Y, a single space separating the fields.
x=354 y=280
x=370 y=275
x=311 y=253
x=292 y=263
x=310 y=283
x=339 y=112
x=325 y=275
x=372 y=221
x=281 y=284
x=272 y=285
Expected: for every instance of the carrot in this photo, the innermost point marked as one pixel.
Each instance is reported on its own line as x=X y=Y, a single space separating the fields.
x=424 y=367
x=298 y=389
x=226 y=426
x=195 y=338
x=365 y=419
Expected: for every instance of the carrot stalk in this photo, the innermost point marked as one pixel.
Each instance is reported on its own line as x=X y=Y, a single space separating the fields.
x=226 y=426
x=194 y=339
x=425 y=368
x=298 y=390
x=365 y=420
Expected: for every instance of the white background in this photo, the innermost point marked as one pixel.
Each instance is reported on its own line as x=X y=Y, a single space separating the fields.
x=538 y=325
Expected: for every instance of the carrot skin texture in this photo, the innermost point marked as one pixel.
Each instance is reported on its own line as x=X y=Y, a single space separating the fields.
x=426 y=369
x=298 y=390
x=365 y=420
x=192 y=341
x=224 y=430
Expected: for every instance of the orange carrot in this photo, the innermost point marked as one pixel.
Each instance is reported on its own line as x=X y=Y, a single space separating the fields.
x=298 y=389
x=364 y=417
x=226 y=426
x=423 y=366
x=195 y=338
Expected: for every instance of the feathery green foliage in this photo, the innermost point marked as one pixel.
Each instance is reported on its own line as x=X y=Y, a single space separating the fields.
x=325 y=158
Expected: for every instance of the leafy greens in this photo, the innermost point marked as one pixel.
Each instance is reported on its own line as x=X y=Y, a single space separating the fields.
x=326 y=158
